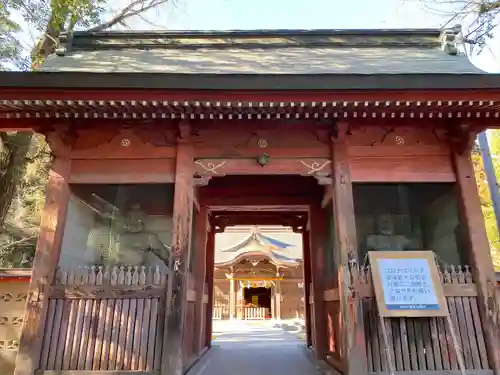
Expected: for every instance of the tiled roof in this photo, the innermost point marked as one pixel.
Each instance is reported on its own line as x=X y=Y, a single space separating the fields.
x=285 y=245
x=265 y=52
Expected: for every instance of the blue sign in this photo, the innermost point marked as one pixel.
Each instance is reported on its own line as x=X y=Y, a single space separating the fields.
x=407 y=284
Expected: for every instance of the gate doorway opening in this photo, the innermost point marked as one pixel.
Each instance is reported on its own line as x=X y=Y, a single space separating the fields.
x=257 y=297
x=257 y=303
x=259 y=262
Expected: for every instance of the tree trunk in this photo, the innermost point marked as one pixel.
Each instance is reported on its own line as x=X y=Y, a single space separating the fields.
x=18 y=145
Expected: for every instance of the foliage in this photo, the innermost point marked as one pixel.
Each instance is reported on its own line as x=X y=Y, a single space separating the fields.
x=44 y=21
x=18 y=239
x=484 y=194
x=29 y=33
x=482 y=19
x=10 y=47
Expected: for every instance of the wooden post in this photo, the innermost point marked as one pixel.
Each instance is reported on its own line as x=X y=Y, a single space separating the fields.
x=199 y=275
x=210 y=288
x=346 y=254
x=273 y=300
x=172 y=351
x=306 y=256
x=480 y=256
x=317 y=238
x=45 y=264
x=232 y=297
x=277 y=295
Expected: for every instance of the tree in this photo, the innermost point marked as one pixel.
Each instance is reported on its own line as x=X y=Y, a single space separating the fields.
x=9 y=45
x=484 y=194
x=481 y=19
x=24 y=158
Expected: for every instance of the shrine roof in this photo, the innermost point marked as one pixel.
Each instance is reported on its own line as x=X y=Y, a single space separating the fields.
x=425 y=51
x=229 y=74
x=282 y=247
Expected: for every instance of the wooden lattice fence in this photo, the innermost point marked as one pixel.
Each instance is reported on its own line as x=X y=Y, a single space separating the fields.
x=105 y=319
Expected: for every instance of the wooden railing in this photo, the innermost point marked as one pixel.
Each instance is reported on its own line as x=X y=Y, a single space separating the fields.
x=105 y=319
x=255 y=313
x=416 y=344
x=220 y=312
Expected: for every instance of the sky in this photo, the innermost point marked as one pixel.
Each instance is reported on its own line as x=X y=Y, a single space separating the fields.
x=311 y=14
x=306 y=14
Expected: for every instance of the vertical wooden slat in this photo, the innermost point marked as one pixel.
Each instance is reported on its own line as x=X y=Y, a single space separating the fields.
x=86 y=346
x=61 y=341
x=201 y=227
x=155 y=328
x=317 y=228
x=92 y=335
x=172 y=352
x=46 y=258
x=131 y=321
x=112 y=331
x=49 y=332
x=210 y=287
x=405 y=348
x=412 y=342
x=482 y=264
x=451 y=347
x=390 y=342
x=381 y=345
x=443 y=343
x=347 y=250
x=306 y=266
x=54 y=339
x=436 y=346
x=377 y=364
x=81 y=326
x=459 y=278
x=471 y=333
x=428 y=349
x=368 y=333
x=419 y=341
x=99 y=330
x=146 y=347
x=121 y=343
x=139 y=326
x=70 y=323
x=398 y=354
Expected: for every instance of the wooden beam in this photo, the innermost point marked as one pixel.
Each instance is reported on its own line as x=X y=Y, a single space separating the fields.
x=480 y=256
x=46 y=259
x=328 y=195
x=274 y=203
x=247 y=95
x=346 y=255
x=172 y=352
x=200 y=270
x=93 y=372
x=306 y=269
x=317 y=239
x=210 y=251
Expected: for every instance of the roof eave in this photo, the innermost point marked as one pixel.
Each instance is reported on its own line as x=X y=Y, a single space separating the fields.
x=268 y=82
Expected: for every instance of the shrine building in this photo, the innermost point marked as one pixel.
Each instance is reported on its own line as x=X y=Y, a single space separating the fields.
x=257 y=275
x=358 y=142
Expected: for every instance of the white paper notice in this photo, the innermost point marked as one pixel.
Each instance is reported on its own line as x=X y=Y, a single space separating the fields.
x=407 y=284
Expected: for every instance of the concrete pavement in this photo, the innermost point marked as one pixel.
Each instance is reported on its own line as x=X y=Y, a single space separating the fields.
x=254 y=348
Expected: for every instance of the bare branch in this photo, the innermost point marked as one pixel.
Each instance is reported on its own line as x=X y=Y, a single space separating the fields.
x=127 y=12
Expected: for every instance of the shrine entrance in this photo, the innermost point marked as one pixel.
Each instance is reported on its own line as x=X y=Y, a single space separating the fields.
x=258 y=296
x=286 y=274
x=257 y=302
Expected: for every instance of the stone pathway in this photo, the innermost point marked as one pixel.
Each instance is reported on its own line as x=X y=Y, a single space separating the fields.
x=253 y=348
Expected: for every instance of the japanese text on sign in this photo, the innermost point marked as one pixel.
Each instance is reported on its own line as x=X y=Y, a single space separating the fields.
x=407 y=284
